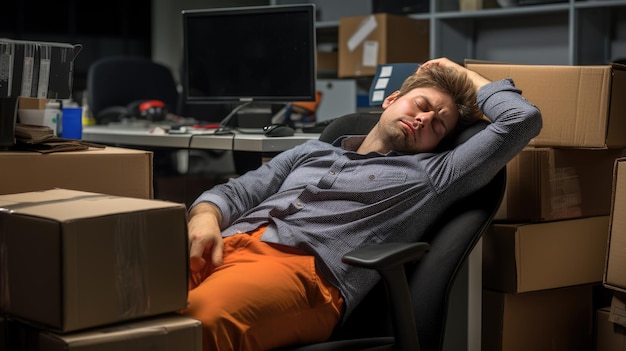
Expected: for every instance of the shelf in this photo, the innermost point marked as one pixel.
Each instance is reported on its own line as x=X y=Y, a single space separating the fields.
x=590 y=32
x=497 y=12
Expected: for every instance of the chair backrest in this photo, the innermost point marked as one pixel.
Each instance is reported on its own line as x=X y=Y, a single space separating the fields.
x=117 y=81
x=451 y=240
x=354 y=124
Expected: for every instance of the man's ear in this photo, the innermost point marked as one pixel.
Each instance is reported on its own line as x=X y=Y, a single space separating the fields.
x=391 y=98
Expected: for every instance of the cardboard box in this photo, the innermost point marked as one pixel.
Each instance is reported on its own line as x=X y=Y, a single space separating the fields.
x=366 y=41
x=582 y=106
x=555 y=319
x=608 y=336
x=33 y=111
x=27 y=103
x=163 y=333
x=475 y=5
x=615 y=269
x=112 y=170
x=545 y=184
x=74 y=260
x=327 y=61
x=529 y=257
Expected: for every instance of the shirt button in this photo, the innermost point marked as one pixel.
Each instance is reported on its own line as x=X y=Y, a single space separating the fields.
x=332 y=172
x=371 y=177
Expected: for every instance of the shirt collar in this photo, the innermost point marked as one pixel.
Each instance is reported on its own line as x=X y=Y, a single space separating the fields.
x=352 y=143
x=349 y=142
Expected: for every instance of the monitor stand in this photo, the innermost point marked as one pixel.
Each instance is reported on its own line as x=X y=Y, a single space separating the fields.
x=251 y=117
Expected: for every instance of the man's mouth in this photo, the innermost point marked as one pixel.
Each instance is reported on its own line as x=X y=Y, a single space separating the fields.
x=409 y=126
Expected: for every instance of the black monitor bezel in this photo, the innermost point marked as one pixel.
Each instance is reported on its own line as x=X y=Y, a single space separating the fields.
x=307 y=9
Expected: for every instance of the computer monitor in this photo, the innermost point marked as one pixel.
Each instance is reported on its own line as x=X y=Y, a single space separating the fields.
x=240 y=55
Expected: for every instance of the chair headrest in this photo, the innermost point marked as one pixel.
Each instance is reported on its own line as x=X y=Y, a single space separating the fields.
x=353 y=124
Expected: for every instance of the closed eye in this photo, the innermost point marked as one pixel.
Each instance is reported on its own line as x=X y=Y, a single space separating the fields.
x=439 y=125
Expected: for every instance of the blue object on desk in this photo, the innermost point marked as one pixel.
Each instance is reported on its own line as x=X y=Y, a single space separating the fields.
x=389 y=78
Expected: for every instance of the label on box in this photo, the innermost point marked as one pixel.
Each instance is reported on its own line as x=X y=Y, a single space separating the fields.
x=366 y=28
x=370 y=53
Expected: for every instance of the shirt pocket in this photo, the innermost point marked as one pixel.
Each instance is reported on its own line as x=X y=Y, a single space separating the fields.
x=368 y=179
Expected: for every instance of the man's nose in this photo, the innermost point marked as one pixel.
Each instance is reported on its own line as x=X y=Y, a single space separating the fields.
x=423 y=118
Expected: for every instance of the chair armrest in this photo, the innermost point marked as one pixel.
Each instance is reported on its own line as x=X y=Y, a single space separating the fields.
x=389 y=259
x=383 y=256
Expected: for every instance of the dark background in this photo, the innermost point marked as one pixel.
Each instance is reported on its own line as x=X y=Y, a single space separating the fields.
x=115 y=27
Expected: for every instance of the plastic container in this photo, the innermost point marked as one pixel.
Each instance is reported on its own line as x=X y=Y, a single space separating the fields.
x=72 y=122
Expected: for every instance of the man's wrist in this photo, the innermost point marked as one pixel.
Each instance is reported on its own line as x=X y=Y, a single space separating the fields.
x=206 y=208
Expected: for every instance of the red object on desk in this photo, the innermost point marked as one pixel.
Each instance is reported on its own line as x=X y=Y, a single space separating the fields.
x=206 y=126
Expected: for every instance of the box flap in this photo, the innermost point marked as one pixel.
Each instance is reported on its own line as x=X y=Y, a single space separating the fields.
x=64 y=205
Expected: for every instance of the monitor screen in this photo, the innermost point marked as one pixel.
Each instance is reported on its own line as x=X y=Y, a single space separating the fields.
x=243 y=54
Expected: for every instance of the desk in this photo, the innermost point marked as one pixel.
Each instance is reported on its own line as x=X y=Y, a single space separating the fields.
x=135 y=136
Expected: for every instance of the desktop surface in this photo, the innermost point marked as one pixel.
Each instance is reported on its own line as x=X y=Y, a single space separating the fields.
x=157 y=136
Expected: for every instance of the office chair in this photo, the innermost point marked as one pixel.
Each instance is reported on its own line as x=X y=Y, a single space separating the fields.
x=117 y=85
x=408 y=310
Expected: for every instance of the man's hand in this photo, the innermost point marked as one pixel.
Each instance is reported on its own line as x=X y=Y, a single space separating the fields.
x=205 y=236
x=476 y=78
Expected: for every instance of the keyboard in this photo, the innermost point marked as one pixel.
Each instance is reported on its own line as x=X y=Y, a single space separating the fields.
x=317 y=128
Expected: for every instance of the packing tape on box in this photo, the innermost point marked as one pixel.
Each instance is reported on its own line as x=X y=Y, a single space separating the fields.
x=367 y=27
x=132 y=268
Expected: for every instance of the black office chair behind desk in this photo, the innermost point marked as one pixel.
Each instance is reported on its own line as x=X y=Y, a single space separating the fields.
x=114 y=83
x=425 y=285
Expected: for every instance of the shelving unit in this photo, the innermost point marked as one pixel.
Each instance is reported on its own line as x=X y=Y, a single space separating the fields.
x=591 y=32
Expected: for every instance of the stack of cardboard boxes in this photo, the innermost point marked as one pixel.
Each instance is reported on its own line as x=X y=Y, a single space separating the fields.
x=88 y=259
x=543 y=258
x=88 y=271
x=100 y=266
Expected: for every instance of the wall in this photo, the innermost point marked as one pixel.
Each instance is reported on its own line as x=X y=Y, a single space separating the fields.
x=167 y=33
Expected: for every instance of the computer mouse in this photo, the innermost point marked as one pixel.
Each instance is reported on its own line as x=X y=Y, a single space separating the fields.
x=278 y=130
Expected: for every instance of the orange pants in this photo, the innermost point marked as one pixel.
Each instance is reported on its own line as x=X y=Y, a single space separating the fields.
x=264 y=296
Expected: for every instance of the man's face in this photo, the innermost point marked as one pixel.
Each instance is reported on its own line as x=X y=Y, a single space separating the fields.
x=417 y=121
